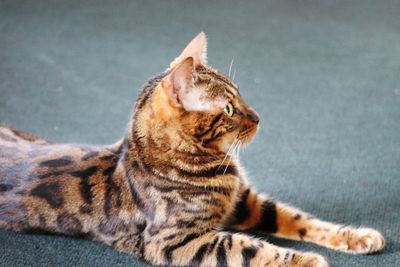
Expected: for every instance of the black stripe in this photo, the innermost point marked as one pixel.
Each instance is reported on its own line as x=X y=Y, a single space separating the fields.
x=86 y=191
x=242 y=211
x=213 y=244
x=113 y=192
x=248 y=254
x=107 y=198
x=212 y=172
x=85 y=187
x=54 y=163
x=221 y=254
x=168 y=250
x=185 y=224
x=135 y=195
x=211 y=126
x=214 y=136
x=50 y=192
x=84 y=174
x=229 y=92
x=109 y=157
x=6 y=187
x=199 y=256
x=169 y=237
x=268 y=218
x=180 y=224
x=229 y=242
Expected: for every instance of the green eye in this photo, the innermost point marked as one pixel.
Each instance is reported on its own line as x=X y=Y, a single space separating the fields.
x=229 y=109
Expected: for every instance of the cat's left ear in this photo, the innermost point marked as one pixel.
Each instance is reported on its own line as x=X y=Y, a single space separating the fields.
x=180 y=82
x=196 y=49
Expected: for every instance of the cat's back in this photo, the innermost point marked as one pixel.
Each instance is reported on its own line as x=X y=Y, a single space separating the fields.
x=26 y=160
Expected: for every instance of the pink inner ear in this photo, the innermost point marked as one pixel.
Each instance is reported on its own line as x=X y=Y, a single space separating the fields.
x=182 y=78
x=185 y=93
x=197 y=49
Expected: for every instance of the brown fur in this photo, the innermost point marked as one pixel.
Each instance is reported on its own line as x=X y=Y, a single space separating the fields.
x=165 y=191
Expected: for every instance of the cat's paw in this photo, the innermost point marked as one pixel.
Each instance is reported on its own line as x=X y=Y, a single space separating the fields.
x=360 y=241
x=365 y=240
x=308 y=259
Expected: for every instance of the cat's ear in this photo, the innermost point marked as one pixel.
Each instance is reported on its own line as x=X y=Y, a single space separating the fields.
x=179 y=87
x=196 y=49
x=179 y=82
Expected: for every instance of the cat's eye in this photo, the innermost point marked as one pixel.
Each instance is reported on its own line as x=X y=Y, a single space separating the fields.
x=229 y=109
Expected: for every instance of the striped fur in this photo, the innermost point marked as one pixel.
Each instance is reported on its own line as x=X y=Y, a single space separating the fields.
x=171 y=191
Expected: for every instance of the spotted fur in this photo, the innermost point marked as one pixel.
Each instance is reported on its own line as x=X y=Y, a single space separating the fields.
x=171 y=191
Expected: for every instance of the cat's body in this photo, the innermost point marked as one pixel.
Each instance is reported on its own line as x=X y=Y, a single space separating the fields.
x=164 y=191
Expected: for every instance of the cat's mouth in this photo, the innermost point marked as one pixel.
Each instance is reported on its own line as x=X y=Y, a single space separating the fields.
x=247 y=135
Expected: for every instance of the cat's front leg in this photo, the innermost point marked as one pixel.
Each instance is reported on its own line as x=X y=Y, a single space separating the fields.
x=256 y=212
x=212 y=248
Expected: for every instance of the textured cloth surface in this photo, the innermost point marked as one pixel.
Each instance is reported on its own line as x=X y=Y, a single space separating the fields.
x=324 y=76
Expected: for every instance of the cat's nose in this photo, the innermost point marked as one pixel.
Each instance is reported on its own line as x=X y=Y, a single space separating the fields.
x=253 y=116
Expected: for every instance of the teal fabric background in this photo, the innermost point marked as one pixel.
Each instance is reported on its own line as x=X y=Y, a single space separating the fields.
x=324 y=76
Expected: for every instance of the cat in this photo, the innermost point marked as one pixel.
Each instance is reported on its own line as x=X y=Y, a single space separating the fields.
x=171 y=192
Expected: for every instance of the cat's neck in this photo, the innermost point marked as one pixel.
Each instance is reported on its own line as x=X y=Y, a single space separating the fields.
x=144 y=153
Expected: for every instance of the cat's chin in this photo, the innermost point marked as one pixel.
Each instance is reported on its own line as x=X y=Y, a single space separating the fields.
x=247 y=137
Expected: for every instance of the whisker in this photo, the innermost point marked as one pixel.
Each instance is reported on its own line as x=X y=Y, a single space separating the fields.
x=230 y=67
x=239 y=148
x=230 y=158
x=227 y=154
x=234 y=74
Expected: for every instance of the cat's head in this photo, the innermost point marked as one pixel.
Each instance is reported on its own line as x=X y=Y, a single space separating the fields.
x=195 y=104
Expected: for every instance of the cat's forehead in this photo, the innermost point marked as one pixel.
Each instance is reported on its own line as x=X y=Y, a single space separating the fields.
x=217 y=84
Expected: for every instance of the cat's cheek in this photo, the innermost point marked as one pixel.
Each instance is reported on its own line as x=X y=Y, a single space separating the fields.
x=227 y=141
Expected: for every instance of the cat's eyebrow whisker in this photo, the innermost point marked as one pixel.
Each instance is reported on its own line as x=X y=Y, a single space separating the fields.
x=233 y=76
x=230 y=67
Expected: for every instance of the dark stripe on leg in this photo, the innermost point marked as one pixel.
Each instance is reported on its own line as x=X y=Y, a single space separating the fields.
x=221 y=254
x=242 y=211
x=168 y=250
x=268 y=218
x=199 y=256
x=248 y=254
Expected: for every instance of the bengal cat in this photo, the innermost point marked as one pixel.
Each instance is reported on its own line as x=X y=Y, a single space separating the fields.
x=171 y=190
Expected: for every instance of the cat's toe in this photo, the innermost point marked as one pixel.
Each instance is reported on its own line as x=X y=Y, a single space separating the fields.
x=309 y=259
x=365 y=240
